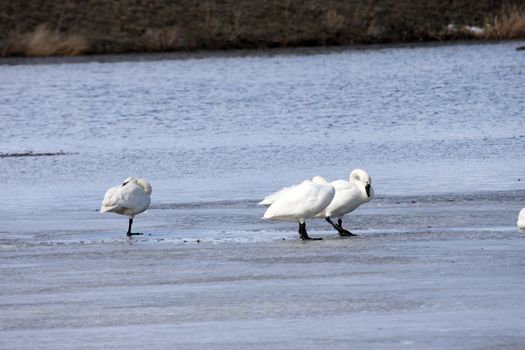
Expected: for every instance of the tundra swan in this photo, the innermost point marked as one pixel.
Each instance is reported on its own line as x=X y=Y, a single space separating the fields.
x=348 y=196
x=301 y=202
x=130 y=198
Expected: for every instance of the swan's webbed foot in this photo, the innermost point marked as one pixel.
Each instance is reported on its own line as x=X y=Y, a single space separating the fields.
x=304 y=234
x=345 y=233
x=308 y=238
x=342 y=231
x=134 y=234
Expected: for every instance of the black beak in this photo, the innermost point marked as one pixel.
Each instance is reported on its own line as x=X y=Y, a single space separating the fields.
x=367 y=188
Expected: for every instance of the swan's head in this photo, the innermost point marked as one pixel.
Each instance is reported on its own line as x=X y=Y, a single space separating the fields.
x=361 y=177
x=320 y=180
x=139 y=182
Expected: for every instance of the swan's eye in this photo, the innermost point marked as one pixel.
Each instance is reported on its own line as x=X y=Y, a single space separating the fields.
x=125 y=183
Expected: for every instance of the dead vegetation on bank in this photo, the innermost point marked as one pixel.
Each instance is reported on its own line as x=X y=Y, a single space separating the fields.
x=215 y=30
x=45 y=42
x=509 y=23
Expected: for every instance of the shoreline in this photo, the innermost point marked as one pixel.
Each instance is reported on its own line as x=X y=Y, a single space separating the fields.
x=240 y=53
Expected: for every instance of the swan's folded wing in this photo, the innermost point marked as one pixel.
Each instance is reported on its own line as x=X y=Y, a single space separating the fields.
x=111 y=199
x=270 y=199
x=120 y=198
x=302 y=201
x=343 y=189
x=345 y=201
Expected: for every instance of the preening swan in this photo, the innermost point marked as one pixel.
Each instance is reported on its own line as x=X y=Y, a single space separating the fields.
x=348 y=196
x=521 y=219
x=300 y=202
x=130 y=198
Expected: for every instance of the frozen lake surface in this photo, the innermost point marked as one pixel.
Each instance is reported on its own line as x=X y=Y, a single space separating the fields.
x=438 y=263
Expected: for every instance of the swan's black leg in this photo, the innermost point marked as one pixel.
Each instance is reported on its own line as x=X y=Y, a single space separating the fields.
x=339 y=227
x=129 y=229
x=304 y=234
x=332 y=223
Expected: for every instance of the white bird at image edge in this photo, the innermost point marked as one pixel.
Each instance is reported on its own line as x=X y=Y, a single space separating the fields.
x=521 y=219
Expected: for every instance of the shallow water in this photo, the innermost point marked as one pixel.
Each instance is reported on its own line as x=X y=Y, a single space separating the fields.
x=441 y=129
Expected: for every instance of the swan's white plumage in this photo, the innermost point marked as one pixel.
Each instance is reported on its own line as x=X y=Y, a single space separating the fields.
x=521 y=219
x=348 y=195
x=130 y=198
x=302 y=201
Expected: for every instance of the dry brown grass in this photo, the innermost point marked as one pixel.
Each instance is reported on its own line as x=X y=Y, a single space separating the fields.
x=508 y=24
x=45 y=42
x=331 y=25
x=208 y=24
x=334 y=21
x=160 y=39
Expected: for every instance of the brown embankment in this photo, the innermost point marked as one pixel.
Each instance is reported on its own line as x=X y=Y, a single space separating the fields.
x=41 y=27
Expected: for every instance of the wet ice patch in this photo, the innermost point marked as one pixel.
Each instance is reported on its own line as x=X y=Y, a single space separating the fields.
x=32 y=154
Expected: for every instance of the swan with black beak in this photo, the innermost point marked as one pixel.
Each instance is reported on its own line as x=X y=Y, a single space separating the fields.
x=349 y=195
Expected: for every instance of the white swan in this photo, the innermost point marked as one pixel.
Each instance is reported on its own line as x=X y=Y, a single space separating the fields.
x=130 y=198
x=348 y=196
x=300 y=202
x=521 y=219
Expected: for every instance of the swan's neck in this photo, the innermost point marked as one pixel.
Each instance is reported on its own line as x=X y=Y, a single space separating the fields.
x=362 y=180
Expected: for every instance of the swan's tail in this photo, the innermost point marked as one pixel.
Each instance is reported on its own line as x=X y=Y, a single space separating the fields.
x=108 y=208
